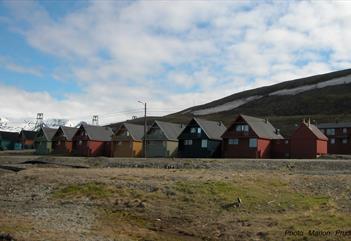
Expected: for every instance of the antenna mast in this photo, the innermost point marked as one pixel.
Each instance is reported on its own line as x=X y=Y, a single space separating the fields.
x=95 y=120
x=39 y=123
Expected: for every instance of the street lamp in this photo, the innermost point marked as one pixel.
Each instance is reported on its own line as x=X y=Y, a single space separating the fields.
x=144 y=147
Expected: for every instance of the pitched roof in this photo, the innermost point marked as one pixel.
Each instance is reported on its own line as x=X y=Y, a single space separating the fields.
x=316 y=131
x=335 y=125
x=68 y=132
x=170 y=130
x=135 y=131
x=213 y=129
x=30 y=135
x=263 y=128
x=9 y=136
x=49 y=132
x=98 y=133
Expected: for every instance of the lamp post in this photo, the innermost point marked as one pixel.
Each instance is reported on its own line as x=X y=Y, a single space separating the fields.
x=145 y=126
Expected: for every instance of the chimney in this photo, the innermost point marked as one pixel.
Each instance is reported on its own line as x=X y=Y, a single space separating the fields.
x=277 y=131
x=309 y=122
x=266 y=120
x=219 y=123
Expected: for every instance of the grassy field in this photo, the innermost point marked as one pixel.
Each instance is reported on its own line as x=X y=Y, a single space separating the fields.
x=61 y=203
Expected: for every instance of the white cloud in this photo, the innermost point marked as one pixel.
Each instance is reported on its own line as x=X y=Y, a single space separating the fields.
x=5 y=63
x=177 y=54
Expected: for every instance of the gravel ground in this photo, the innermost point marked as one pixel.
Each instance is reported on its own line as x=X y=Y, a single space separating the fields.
x=30 y=213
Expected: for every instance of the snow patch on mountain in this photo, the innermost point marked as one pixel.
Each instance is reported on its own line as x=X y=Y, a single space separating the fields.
x=298 y=90
x=227 y=106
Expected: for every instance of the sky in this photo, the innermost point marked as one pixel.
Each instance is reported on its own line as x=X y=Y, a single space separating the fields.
x=75 y=59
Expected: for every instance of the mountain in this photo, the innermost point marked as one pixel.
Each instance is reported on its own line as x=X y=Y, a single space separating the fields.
x=7 y=124
x=322 y=98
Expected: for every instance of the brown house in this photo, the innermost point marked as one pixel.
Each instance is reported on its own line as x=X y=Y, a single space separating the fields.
x=308 y=141
x=339 y=135
x=27 y=139
x=92 y=140
x=249 y=137
x=62 y=141
x=127 y=141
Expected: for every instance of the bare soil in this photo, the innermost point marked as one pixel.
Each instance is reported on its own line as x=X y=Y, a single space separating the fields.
x=61 y=198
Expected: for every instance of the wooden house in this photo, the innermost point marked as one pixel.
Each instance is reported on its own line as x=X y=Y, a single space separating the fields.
x=27 y=139
x=280 y=148
x=9 y=141
x=90 y=140
x=308 y=141
x=127 y=141
x=43 y=140
x=62 y=140
x=339 y=137
x=162 y=139
x=249 y=137
x=200 y=139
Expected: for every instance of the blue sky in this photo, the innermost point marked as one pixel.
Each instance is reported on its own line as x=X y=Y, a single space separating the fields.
x=74 y=59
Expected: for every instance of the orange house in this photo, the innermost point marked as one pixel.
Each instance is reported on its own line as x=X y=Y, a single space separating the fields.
x=62 y=141
x=127 y=141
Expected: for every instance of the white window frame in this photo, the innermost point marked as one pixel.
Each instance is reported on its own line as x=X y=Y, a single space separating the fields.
x=204 y=143
x=233 y=141
x=251 y=143
x=198 y=130
x=242 y=128
x=345 y=141
x=332 y=141
x=192 y=130
x=344 y=130
x=330 y=132
x=188 y=142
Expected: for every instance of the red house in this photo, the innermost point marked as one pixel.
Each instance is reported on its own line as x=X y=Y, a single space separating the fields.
x=62 y=140
x=339 y=135
x=92 y=140
x=308 y=141
x=249 y=137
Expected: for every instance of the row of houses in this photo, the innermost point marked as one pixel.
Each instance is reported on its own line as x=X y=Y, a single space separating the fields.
x=246 y=137
x=17 y=141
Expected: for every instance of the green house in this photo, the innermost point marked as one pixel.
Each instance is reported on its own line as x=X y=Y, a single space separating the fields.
x=9 y=141
x=161 y=139
x=43 y=140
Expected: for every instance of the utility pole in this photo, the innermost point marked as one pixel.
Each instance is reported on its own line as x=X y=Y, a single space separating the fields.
x=145 y=127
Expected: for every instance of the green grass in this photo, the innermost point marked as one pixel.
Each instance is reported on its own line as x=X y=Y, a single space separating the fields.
x=257 y=196
x=193 y=209
x=91 y=190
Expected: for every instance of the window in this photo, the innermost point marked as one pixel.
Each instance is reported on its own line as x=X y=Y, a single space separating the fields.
x=286 y=142
x=119 y=143
x=242 y=128
x=188 y=142
x=330 y=132
x=193 y=130
x=344 y=141
x=204 y=143
x=80 y=142
x=344 y=130
x=332 y=141
x=198 y=130
x=233 y=141
x=252 y=142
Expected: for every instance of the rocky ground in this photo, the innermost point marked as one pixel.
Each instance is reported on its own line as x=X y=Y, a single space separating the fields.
x=56 y=198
